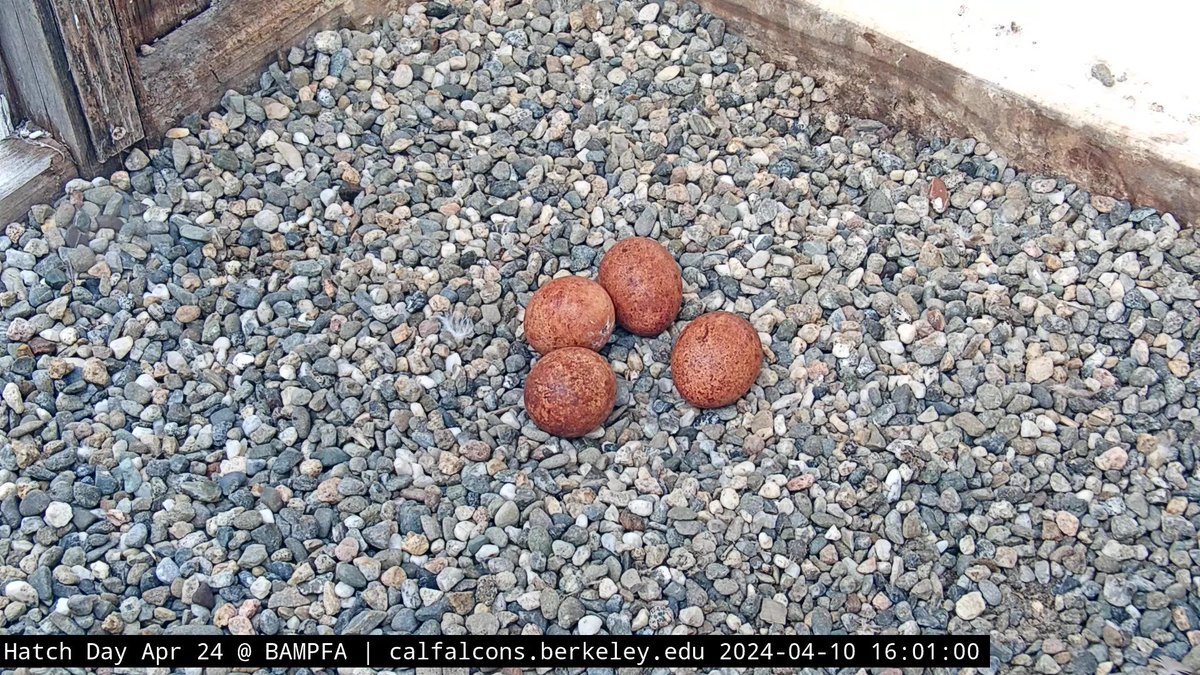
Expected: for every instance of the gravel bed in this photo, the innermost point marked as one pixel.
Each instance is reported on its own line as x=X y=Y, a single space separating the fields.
x=268 y=380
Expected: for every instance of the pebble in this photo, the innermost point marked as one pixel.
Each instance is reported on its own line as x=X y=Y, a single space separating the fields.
x=691 y=616
x=773 y=612
x=58 y=514
x=1113 y=459
x=328 y=41
x=590 y=625
x=1067 y=522
x=1039 y=370
x=13 y=399
x=121 y=346
x=508 y=515
x=970 y=606
x=21 y=591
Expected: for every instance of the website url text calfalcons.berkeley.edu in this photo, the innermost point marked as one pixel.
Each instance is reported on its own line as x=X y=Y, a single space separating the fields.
x=595 y=652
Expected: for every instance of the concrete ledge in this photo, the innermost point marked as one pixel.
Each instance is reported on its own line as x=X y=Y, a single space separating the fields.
x=859 y=52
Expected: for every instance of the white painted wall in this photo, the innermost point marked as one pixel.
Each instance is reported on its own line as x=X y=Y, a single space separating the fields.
x=6 y=123
x=1045 y=50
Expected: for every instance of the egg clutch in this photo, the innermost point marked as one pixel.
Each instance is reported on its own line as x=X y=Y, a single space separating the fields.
x=571 y=389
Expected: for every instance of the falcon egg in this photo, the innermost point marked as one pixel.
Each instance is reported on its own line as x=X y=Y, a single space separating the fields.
x=570 y=392
x=643 y=280
x=569 y=312
x=716 y=360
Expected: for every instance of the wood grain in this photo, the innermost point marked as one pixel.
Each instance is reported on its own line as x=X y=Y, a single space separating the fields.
x=39 y=75
x=30 y=173
x=96 y=53
x=148 y=20
x=228 y=45
x=874 y=76
x=6 y=90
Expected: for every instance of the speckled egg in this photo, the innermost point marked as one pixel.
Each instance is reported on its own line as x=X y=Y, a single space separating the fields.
x=643 y=280
x=570 y=392
x=716 y=360
x=569 y=312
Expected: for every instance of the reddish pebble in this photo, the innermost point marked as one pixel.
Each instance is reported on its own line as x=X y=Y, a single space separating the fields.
x=570 y=392
x=569 y=312
x=939 y=196
x=801 y=482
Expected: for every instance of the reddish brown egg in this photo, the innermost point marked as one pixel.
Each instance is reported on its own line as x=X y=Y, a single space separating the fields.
x=642 y=278
x=716 y=360
x=570 y=392
x=569 y=312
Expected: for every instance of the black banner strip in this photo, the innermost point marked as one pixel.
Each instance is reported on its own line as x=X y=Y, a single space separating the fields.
x=551 y=651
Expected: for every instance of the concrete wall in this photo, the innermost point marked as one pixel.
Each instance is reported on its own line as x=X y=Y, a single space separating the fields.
x=1145 y=85
x=1104 y=92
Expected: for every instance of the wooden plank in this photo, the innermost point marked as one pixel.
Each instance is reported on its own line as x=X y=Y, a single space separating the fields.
x=10 y=113
x=874 y=76
x=10 y=96
x=127 y=25
x=224 y=48
x=148 y=20
x=31 y=172
x=96 y=54
x=38 y=73
x=8 y=123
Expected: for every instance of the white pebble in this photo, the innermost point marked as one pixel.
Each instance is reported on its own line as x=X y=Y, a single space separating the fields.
x=58 y=514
